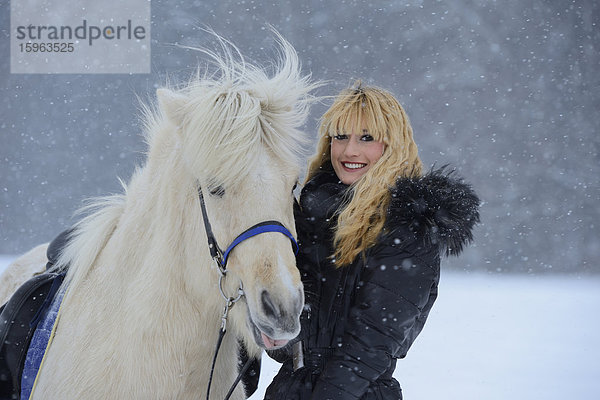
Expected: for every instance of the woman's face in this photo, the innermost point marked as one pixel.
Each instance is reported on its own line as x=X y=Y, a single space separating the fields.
x=353 y=153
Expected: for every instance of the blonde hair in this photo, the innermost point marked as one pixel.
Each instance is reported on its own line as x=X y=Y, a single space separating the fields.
x=362 y=218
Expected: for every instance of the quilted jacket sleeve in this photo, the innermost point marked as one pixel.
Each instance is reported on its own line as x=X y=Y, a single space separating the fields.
x=396 y=291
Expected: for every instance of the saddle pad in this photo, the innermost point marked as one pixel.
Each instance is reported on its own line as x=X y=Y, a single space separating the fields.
x=18 y=320
x=42 y=338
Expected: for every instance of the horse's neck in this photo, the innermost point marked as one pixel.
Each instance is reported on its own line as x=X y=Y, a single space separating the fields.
x=153 y=276
x=166 y=220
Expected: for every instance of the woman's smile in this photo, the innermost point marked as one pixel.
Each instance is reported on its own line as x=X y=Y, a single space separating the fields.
x=353 y=165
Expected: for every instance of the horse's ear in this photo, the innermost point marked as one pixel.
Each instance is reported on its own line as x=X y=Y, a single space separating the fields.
x=172 y=103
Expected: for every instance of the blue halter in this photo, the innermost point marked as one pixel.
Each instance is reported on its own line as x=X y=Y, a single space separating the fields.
x=262 y=227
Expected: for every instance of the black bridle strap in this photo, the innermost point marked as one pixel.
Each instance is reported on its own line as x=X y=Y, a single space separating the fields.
x=213 y=246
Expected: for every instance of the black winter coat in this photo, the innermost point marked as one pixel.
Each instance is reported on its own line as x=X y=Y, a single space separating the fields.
x=359 y=319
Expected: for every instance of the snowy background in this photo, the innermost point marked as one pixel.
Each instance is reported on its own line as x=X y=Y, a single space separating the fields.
x=508 y=92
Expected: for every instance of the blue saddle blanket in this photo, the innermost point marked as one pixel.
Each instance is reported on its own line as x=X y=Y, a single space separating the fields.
x=39 y=343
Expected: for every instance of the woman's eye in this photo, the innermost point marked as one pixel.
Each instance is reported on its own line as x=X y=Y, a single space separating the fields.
x=366 y=138
x=217 y=191
x=340 y=137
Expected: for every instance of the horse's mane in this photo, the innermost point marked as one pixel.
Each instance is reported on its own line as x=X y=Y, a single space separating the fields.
x=230 y=116
x=89 y=236
x=236 y=110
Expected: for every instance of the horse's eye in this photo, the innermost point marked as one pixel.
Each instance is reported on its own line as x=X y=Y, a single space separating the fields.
x=217 y=191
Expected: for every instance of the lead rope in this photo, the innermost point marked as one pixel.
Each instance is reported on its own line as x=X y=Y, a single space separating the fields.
x=230 y=302
x=239 y=377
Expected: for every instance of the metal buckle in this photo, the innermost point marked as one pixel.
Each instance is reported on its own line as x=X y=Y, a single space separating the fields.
x=217 y=260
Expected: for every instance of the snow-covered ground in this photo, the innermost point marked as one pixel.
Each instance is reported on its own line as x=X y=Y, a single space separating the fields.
x=495 y=337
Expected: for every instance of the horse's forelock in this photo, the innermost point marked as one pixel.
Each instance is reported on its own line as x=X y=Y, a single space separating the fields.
x=234 y=113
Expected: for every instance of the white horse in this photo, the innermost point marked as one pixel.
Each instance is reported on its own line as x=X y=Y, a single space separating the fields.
x=142 y=309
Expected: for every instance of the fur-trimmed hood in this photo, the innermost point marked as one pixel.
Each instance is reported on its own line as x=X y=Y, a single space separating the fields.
x=437 y=207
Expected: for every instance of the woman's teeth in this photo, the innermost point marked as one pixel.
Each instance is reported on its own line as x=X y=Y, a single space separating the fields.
x=353 y=165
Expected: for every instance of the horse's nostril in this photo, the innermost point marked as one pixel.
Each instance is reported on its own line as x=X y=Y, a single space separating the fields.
x=268 y=305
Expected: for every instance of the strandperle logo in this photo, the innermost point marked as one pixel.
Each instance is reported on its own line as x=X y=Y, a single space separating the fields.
x=63 y=36
x=85 y=31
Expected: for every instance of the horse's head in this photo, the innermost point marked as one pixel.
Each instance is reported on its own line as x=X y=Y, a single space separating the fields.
x=263 y=264
x=240 y=143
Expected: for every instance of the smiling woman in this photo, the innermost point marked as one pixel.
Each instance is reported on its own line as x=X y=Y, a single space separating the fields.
x=381 y=139
x=371 y=229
